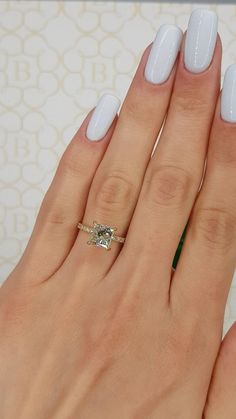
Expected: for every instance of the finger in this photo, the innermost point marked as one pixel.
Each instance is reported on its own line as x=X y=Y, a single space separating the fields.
x=207 y=262
x=221 y=398
x=56 y=226
x=117 y=183
x=174 y=173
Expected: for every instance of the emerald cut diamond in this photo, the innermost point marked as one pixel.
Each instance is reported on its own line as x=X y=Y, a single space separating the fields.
x=101 y=235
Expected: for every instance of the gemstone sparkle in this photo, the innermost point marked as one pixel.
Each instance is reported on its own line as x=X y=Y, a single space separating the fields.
x=101 y=235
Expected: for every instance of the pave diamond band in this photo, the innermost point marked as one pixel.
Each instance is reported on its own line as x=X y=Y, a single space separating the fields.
x=101 y=235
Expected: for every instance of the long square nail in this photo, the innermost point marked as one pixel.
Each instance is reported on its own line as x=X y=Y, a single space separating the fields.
x=200 y=40
x=163 y=54
x=102 y=117
x=228 y=95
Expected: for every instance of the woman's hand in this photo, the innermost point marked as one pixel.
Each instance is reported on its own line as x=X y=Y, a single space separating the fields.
x=89 y=333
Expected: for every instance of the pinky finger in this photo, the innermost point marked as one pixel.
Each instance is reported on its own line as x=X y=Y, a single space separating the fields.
x=207 y=262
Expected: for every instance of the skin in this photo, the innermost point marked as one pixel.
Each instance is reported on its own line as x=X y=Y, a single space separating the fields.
x=89 y=334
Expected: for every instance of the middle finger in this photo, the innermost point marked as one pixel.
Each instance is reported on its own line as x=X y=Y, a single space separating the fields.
x=175 y=171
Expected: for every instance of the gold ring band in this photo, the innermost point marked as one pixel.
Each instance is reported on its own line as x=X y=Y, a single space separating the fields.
x=101 y=235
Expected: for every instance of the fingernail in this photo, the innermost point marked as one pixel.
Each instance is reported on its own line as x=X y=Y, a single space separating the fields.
x=200 y=40
x=102 y=117
x=163 y=54
x=228 y=95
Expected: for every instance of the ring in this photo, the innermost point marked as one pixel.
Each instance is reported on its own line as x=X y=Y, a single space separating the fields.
x=101 y=235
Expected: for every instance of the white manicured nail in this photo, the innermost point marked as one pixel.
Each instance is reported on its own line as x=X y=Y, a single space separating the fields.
x=163 y=54
x=200 y=40
x=228 y=95
x=102 y=117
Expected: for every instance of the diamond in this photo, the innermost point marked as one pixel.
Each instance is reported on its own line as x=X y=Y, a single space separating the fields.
x=101 y=235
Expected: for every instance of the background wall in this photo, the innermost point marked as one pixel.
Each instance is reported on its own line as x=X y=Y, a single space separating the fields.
x=56 y=59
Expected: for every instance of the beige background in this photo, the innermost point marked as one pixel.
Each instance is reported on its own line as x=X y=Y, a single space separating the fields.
x=56 y=59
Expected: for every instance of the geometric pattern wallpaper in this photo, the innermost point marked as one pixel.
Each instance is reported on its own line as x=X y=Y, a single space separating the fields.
x=56 y=59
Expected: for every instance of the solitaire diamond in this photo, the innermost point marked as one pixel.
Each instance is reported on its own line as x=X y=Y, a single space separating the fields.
x=101 y=235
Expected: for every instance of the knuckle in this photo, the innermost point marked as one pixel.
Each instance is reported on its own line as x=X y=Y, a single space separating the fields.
x=131 y=109
x=71 y=165
x=167 y=185
x=53 y=213
x=114 y=192
x=134 y=109
x=223 y=150
x=55 y=217
x=215 y=226
x=189 y=103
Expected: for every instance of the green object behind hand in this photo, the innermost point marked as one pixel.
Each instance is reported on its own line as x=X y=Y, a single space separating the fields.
x=179 y=248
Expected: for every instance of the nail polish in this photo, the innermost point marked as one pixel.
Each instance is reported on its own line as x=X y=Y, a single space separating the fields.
x=102 y=117
x=228 y=95
x=163 y=54
x=200 y=40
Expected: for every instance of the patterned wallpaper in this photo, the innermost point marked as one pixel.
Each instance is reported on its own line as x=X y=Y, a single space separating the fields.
x=56 y=59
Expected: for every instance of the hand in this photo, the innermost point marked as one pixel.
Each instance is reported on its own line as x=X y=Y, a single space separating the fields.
x=89 y=333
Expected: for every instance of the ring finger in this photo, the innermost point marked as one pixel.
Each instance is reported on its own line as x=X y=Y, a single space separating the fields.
x=118 y=180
